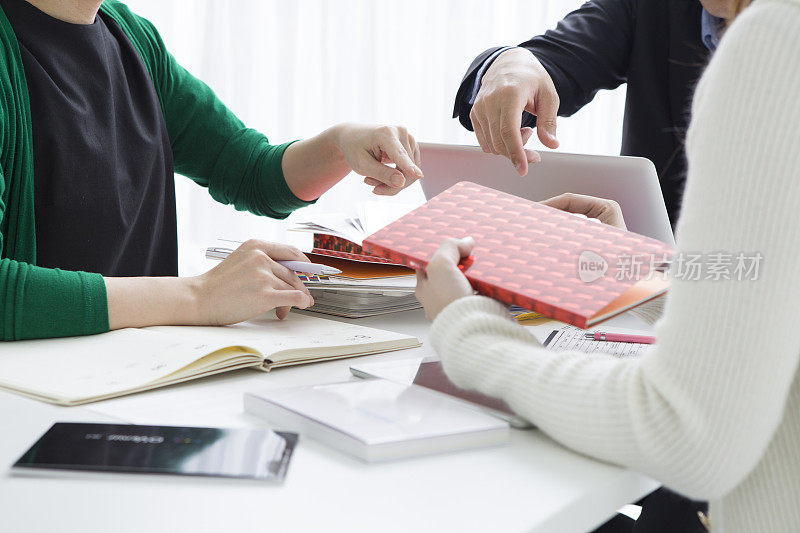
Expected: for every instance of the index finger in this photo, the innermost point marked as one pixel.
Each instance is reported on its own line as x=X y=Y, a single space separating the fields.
x=510 y=125
x=289 y=277
x=275 y=251
x=284 y=252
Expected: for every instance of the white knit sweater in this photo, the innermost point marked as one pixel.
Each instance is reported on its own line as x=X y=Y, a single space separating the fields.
x=713 y=409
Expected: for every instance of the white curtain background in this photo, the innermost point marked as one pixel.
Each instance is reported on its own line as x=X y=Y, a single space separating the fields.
x=293 y=68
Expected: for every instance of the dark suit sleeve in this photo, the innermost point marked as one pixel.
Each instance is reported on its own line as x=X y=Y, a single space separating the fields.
x=588 y=51
x=462 y=106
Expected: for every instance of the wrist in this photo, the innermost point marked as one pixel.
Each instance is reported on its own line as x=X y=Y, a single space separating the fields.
x=333 y=140
x=192 y=301
x=511 y=63
x=314 y=165
x=516 y=54
x=153 y=301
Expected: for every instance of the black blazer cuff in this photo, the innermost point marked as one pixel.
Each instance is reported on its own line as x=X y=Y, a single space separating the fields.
x=462 y=108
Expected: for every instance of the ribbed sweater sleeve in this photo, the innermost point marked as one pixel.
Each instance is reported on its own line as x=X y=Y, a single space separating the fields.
x=214 y=148
x=38 y=302
x=698 y=411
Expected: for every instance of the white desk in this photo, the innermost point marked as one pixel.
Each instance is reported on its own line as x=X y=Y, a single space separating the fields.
x=532 y=485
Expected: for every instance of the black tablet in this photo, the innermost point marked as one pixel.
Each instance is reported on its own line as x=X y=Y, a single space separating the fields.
x=190 y=451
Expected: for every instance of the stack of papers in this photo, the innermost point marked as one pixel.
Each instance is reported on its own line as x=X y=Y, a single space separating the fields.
x=364 y=288
x=361 y=290
x=572 y=339
x=361 y=304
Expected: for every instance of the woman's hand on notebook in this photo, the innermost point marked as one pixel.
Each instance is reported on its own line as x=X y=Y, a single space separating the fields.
x=250 y=281
x=247 y=283
x=606 y=211
x=442 y=283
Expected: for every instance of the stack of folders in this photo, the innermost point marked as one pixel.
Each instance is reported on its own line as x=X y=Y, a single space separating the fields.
x=362 y=289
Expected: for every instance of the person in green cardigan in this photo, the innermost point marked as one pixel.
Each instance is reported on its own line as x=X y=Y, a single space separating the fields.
x=96 y=116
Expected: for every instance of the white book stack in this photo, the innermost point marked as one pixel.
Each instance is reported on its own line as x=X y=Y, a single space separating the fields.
x=377 y=419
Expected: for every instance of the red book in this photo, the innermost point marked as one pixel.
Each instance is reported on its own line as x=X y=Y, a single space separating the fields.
x=340 y=247
x=563 y=266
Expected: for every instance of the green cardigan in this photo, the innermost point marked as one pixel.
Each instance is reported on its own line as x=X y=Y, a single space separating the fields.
x=209 y=145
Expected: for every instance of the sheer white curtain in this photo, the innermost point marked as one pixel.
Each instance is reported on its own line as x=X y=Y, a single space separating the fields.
x=293 y=68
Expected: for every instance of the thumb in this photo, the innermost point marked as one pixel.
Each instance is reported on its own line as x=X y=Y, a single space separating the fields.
x=370 y=167
x=465 y=246
x=452 y=250
x=531 y=155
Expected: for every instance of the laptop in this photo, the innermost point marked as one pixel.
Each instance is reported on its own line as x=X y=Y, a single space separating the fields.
x=631 y=181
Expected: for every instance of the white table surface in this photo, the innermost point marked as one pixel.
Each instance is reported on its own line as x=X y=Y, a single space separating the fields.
x=531 y=485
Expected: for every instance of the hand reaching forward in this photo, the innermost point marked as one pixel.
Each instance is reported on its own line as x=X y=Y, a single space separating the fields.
x=515 y=82
x=370 y=150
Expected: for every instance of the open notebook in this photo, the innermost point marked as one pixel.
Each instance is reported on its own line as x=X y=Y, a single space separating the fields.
x=77 y=370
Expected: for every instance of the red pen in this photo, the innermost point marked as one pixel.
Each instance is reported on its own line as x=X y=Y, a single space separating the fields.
x=620 y=337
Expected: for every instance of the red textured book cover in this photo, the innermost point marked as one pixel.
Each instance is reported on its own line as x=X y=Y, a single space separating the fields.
x=338 y=244
x=333 y=246
x=527 y=254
